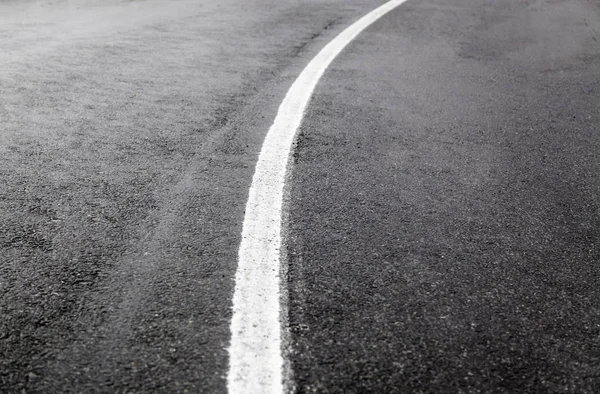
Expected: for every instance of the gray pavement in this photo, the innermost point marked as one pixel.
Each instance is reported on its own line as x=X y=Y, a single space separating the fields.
x=130 y=130
x=445 y=205
x=443 y=202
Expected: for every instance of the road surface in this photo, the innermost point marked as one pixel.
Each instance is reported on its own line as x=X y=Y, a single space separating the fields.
x=443 y=196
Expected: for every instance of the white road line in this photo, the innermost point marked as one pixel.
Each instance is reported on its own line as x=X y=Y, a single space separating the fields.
x=255 y=357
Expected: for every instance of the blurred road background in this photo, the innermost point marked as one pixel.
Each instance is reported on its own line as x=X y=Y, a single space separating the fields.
x=443 y=220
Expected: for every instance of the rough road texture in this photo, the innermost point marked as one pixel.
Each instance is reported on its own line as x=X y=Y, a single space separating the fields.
x=129 y=134
x=445 y=205
x=443 y=213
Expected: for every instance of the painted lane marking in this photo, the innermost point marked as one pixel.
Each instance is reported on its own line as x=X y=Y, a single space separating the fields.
x=255 y=355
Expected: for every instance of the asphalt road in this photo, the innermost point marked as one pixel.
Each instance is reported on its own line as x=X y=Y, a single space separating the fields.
x=445 y=205
x=443 y=213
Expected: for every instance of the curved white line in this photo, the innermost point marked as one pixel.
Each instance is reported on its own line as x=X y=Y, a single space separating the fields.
x=255 y=359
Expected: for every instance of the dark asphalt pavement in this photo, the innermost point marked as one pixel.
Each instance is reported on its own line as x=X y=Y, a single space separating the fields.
x=130 y=131
x=443 y=215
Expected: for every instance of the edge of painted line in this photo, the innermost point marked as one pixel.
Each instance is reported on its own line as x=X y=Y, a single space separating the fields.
x=256 y=362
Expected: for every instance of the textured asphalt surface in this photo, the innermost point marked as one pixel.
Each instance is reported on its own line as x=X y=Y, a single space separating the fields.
x=443 y=207
x=444 y=215
x=130 y=130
